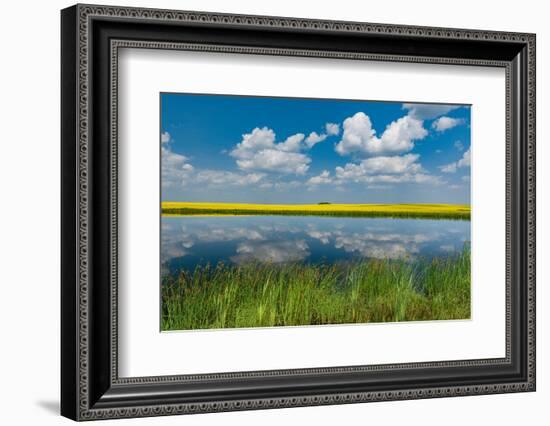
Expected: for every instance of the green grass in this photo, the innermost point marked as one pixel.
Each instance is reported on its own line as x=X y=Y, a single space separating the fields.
x=432 y=211
x=267 y=295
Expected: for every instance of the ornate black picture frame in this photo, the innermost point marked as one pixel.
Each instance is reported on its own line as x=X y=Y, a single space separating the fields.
x=91 y=36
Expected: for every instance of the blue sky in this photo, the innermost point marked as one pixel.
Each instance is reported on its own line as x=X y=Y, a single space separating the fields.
x=292 y=150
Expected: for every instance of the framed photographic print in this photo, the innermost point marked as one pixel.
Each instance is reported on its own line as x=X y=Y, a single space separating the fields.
x=241 y=247
x=263 y=212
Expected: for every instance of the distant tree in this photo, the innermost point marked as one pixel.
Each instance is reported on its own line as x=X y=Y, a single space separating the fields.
x=324 y=202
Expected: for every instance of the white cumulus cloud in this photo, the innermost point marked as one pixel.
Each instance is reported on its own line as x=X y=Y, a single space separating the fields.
x=273 y=160
x=404 y=164
x=259 y=151
x=176 y=169
x=332 y=129
x=314 y=138
x=359 y=136
x=394 y=169
x=323 y=178
x=165 y=137
x=257 y=140
x=446 y=123
x=292 y=143
x=448 y=168
x=454 y=166
x=465 y=160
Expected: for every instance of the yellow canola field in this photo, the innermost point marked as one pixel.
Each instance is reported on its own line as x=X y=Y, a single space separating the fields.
x=432 y=210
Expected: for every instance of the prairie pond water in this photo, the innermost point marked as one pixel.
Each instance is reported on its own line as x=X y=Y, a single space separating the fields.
x=191 y=241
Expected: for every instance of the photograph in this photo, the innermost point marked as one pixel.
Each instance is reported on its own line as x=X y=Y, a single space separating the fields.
x=281 y=211
x=266 y=207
